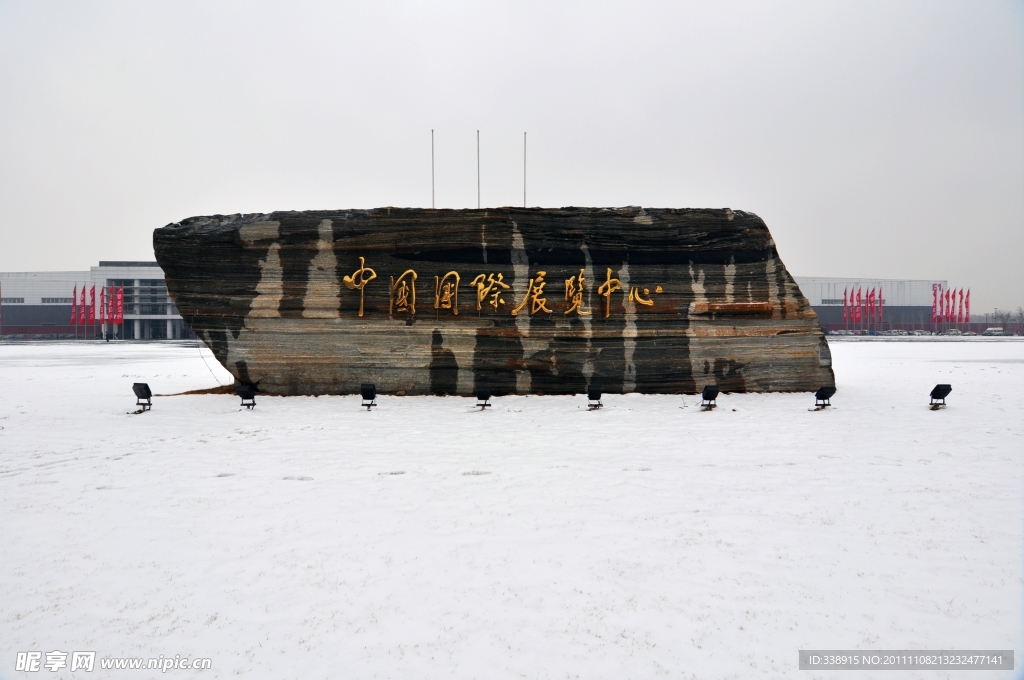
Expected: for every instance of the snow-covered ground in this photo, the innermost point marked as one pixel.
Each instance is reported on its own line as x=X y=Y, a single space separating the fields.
x=425 y=539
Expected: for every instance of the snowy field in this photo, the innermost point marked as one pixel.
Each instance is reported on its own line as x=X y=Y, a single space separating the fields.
x=311 y=539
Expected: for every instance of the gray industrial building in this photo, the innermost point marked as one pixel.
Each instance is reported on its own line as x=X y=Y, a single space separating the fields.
x=907 y=305
x=38 y=304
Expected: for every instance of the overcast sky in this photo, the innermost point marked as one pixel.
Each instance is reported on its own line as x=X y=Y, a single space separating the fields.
x=875 y=139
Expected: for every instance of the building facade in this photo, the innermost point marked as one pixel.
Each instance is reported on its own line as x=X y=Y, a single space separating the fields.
x=906 y=304
x=39 y=304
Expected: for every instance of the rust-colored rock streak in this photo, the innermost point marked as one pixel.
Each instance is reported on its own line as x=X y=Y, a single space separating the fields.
x=633 y=300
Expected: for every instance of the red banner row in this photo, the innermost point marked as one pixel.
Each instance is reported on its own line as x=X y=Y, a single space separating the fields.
x=111 y=307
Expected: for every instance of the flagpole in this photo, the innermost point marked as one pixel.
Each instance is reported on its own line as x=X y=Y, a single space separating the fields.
x=431 y=168
x=477 y=169
x=524 y=169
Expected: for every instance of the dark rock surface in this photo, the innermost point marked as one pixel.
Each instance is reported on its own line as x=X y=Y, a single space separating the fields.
x=671 y=300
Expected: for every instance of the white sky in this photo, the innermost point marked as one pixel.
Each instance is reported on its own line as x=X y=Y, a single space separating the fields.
x=877 y=139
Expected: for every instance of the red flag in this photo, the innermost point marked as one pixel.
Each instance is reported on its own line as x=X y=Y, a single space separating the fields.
x=871 y=305
x=844 y=306
x=880 y=317
x=960 y=308
x=967 y=307
x=120 y=305
x=935 y=300
x=92 y=305
x=103 y=305
x=74 y=306
x=860 y=305
x=81 y=308
x=110 y=305
x=949 y=308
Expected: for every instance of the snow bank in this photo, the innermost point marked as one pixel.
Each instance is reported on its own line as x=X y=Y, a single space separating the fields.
x=312 y=539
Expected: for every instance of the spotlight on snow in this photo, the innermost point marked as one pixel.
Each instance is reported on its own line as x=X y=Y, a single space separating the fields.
x=594 y=397
x=368 y=391
x=822 y=398
x=938 y=395
x=144 y=396
x=483 y=397
x=248 y=395
x=709 y=397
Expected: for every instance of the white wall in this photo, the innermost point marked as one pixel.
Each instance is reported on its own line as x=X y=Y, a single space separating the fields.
x=895 y=292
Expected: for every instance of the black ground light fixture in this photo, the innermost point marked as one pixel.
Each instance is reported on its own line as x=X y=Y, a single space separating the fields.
x=368 y=391
x=823 y=396
x=938 y=395
x=709 y=397
x=594 y=398
x=483 y=397
x=144 y=396
x=248 y=395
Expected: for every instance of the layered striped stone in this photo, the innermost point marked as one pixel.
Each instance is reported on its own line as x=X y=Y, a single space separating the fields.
x=442 y=301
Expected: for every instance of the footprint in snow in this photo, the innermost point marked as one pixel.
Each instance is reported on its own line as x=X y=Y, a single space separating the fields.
x=396 y=472
x=299 y=479
x=476 y=472
x=230 y=474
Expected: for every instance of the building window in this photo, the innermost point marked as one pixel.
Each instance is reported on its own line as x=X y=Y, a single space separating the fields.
x=13 y=301
x=153 y=296
x=831 y=301
x=57 y=301
x=129 y=292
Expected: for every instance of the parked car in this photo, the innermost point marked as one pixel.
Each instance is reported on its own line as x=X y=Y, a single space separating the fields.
x=993 y=331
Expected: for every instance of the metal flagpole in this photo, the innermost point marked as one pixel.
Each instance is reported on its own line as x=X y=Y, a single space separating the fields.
x=431 y=168
x=524 y=169
x=477 y=169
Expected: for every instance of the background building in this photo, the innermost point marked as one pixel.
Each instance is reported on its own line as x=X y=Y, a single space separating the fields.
x=38 y=304
x=906 y=304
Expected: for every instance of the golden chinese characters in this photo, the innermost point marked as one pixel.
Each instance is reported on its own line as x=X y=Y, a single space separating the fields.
x=359 y=279
x=491 y=287
x=446 y=292
x=634 y=296
x=535 y=296
x=574 y=295
x=403 y=292
x=606 y=289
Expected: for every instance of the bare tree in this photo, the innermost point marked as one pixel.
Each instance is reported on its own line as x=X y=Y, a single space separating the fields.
x=1002 y=318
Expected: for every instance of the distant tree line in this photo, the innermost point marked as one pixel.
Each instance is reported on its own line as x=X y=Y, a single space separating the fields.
x=1009 y=320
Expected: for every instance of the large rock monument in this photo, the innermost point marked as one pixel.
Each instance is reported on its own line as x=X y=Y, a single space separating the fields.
x=524 y=301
